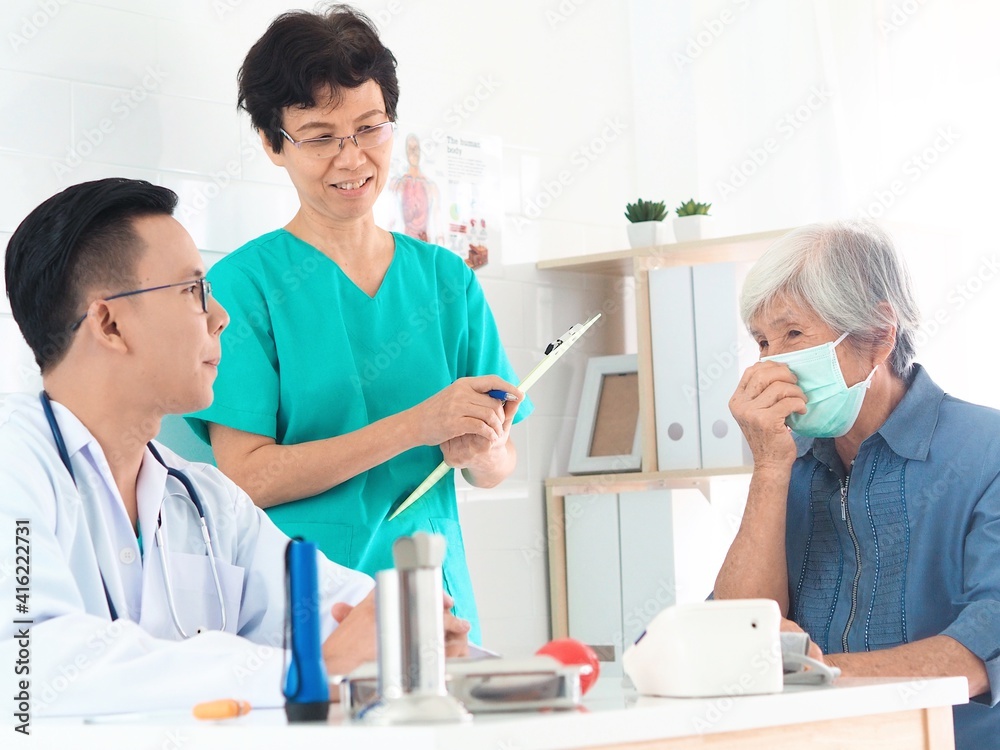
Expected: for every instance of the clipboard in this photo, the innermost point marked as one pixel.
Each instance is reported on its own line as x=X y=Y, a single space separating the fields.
x=553 y=352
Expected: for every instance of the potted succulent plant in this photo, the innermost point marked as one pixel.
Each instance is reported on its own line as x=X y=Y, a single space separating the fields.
x=646 y=223
x=692 y=221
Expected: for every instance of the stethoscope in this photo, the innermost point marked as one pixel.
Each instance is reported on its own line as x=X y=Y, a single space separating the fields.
x=158 y=536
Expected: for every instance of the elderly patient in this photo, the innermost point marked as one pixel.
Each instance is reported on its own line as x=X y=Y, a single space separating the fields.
x=874 y=521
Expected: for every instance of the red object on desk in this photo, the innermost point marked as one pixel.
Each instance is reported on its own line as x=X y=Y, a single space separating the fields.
x=570 y=651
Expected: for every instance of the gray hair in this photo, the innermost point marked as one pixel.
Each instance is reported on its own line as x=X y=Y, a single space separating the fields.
x=850 y=274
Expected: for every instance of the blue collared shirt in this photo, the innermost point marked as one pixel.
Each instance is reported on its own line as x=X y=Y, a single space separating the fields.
x=907 y=545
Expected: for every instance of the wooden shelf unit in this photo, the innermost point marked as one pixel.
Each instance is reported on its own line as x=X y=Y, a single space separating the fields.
x=636 y=262
x=624 y=262
x=558 y=488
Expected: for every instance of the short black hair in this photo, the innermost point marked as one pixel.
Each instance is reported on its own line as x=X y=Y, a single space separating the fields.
x=303 y=52
x=78 y=240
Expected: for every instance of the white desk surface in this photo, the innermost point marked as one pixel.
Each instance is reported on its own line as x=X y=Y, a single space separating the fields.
x=612 y=715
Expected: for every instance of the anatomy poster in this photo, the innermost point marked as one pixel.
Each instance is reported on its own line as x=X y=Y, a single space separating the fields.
x=446 y=188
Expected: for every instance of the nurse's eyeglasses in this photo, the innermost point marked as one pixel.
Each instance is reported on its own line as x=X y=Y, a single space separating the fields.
x=330 y=145
x=203 y=284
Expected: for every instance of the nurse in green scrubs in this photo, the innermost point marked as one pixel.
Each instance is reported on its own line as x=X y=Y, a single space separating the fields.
x=356 y=358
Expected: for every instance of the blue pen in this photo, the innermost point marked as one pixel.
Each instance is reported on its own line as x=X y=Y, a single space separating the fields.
x=499 y=395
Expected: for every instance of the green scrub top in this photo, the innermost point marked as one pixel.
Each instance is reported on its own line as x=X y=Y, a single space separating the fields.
x=308 y=355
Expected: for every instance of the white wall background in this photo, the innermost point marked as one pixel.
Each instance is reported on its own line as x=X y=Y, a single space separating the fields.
x=778 y=111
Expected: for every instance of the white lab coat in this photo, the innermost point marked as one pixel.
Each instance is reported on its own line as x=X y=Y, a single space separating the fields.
x=80 y=661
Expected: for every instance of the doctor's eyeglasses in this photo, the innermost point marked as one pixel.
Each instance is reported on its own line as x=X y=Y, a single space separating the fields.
x=330 y=145
x=204 y=290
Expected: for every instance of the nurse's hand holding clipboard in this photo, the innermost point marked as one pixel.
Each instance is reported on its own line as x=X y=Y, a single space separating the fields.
x=472 y=427
x=466 y=408
x=553 y=352
x=482 y=457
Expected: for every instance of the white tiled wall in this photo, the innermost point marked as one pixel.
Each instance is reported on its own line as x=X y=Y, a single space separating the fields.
x=146 y=89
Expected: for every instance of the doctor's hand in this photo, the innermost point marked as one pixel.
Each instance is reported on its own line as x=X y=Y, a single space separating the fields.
x=353 y=640
x=767 y=393
x=456 y=631
x=464 y=408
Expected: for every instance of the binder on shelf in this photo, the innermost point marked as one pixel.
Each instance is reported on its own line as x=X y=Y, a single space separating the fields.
x=723 y=350
x=675 y=380
x=594 y=576
x=649 y=581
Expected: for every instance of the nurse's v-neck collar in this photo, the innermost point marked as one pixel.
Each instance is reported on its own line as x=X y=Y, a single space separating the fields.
x=362 y=292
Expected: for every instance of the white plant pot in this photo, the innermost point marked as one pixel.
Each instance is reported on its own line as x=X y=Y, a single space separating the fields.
x=689 y=228
x=649 y=233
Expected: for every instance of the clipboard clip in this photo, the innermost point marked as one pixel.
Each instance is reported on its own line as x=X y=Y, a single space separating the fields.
x=575 y=332
x=557 y=343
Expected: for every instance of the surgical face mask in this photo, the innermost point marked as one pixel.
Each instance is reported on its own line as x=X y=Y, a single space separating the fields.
x=832 y=407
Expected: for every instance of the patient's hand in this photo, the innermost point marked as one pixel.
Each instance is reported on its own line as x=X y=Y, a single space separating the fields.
x=789 y=626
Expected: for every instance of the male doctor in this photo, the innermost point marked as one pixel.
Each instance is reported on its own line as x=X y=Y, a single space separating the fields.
x=109 y=292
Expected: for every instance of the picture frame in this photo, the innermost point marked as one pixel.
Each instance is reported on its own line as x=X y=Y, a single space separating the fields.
x=607 y=438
